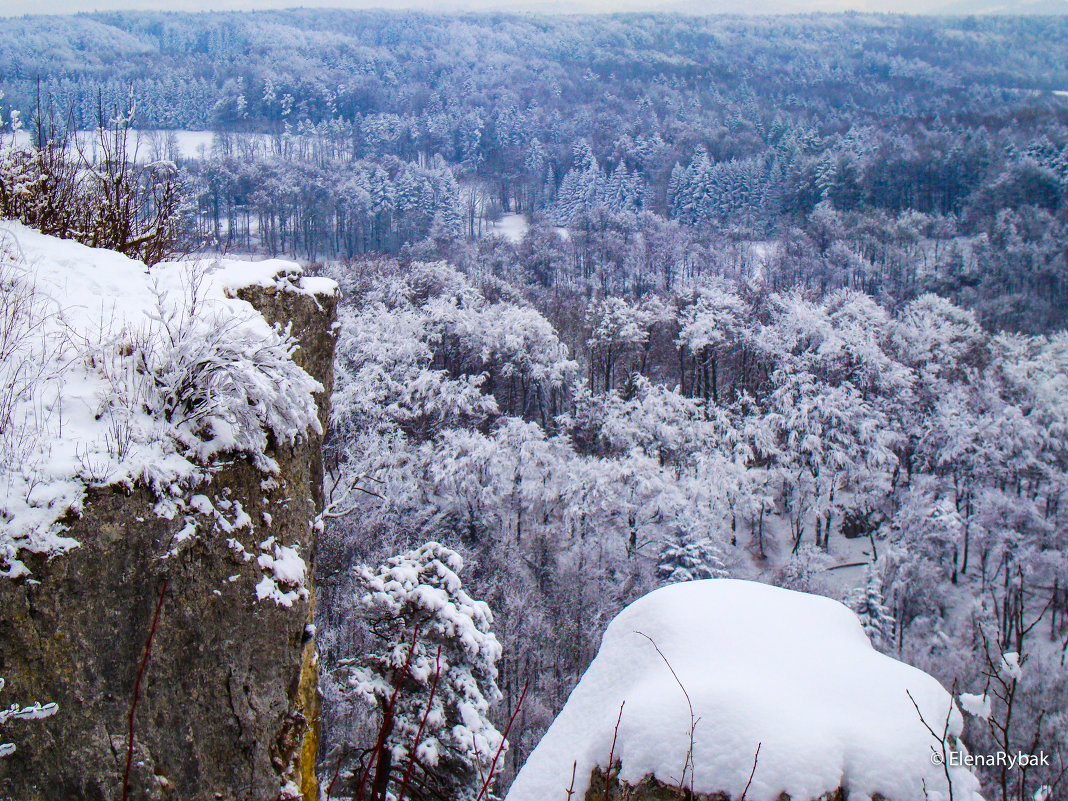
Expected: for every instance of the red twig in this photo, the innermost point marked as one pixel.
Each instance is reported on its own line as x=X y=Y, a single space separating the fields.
x=137 y=693
x=387 y=719
x=752 y=773
x=612 y=754
x=337 y=770
x=571 y=787
x=504 y=740
x=422 y=725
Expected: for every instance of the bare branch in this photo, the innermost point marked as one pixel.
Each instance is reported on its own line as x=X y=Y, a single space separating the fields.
x=752 y=773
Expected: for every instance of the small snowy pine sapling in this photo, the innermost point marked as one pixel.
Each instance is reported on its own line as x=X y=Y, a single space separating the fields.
x=686 y=559
x=868 y=602
x=421 y=625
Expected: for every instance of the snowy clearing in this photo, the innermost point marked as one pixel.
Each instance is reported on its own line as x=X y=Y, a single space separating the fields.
x=512 y=227
x=152 y=145
x=790 y=671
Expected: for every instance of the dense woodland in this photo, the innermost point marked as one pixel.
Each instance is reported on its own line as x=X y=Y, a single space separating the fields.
x=896 y=155
x=787 y=303
x=721 y=429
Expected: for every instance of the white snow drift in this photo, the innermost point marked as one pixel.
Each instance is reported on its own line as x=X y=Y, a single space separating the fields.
x=794 y=673
x=112 y=373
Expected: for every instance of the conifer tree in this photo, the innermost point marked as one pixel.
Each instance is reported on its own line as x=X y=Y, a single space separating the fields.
x=867 y=601
x=430 y=669
x=683 y=558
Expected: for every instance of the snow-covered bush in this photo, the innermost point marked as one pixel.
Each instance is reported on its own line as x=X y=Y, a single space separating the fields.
x=104 y=199
x=429 y=668
x=117 y=375
x=220 y=383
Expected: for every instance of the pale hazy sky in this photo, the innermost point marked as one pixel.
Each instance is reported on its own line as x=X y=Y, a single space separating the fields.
x=20 y=7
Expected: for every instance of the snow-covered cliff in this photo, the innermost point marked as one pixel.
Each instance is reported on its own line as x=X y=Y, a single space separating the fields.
x=161 y=437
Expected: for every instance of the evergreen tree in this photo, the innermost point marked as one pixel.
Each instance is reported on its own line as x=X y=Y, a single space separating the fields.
x=685 y=559
x=430 y=669
x=867 y=601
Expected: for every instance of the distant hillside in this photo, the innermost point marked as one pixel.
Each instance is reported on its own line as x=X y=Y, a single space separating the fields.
x=1056 y=7
x=15 y=8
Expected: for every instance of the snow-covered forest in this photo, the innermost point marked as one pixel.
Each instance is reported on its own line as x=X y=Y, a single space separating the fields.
x=628 y=301
x=896 y=155
x=908 y=462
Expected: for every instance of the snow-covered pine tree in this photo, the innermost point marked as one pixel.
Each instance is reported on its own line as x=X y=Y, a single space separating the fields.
x=582 y=186
x=683 y=558
x=416 y=601
x=621 y=194
x=867 y=601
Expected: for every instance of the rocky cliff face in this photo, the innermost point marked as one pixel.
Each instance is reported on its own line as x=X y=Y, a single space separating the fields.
x=652 y=789
x=226 y=705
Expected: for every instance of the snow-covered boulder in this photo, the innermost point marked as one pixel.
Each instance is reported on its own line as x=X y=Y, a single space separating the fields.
x=790 y=672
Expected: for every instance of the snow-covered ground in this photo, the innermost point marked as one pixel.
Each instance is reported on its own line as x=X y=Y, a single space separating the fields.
x=190 y=144
x=153 y=145
x=116 y=374
x=792 y=673
x=512 y=227
x=763 y=251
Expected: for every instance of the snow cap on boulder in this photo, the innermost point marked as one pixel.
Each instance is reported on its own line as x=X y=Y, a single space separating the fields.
x=792 y=672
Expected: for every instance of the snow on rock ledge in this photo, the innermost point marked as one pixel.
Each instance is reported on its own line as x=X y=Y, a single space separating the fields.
x=116 y=374
x=205 y=507
x=793 y=672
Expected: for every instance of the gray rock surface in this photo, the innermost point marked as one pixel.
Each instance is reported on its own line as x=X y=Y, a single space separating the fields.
x=652 y=789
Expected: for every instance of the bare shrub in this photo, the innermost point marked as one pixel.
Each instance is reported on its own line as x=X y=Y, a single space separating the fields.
x=103 y=198
x=27 y=359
